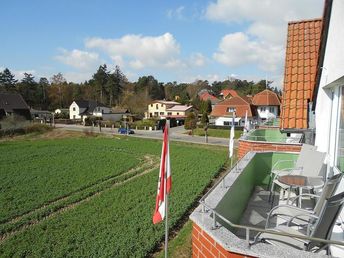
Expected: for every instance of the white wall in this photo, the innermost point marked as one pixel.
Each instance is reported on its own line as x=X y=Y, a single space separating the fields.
x=333 y=68
x=266 y=114
x=74 y=114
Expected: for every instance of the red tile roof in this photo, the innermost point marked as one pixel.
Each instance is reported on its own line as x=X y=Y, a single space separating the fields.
x=266 y=98
x=227 y=92
x=207 y=96
x=302 y=52
x=239 y=103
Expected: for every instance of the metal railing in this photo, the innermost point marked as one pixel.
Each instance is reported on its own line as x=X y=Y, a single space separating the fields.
x=276 y=139
x=206 y=208
x=261 y=230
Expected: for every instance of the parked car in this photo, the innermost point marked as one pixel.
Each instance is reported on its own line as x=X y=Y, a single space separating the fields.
x=125 y=131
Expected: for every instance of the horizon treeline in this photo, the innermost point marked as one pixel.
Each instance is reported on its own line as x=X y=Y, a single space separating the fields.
x=112 y=88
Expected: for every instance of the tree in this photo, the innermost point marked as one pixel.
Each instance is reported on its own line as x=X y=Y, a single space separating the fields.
x=190 y=121
x=28 y=88
x=7 y=81
x=43 y=85
x=204 y=119
x=100 y=79
x=57 y=79
x=115 y=85
x=151 y=87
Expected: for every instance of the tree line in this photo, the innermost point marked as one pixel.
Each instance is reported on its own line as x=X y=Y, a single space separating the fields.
x=112 y=88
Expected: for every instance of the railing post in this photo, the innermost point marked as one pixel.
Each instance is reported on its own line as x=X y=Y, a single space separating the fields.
x=248 y=236
x=214 y=220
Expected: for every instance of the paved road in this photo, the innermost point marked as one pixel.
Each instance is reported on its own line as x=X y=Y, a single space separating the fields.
x=176 y=134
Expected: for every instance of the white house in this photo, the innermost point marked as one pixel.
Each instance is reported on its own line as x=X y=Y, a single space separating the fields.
x=80 y=109
x=222 y=113
x=267 y=103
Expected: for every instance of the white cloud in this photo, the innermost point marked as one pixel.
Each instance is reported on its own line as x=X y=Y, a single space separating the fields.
x=238 y=49
x=197 y=59
x=79 y=59
x=19 y=74
x=264 y=23
x=176 y=13
x=267 y=19
x=139 y=51
x=78 y=77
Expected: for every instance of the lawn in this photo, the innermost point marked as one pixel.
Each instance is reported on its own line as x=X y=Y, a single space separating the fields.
x=222 y=133
x=94 y=196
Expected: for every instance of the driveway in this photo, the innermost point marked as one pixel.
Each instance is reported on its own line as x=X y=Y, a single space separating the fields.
x=176 y=134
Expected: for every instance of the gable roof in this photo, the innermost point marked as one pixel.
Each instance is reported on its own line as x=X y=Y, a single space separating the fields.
x=12 y=101
x=88 y=106
x=239 y=103
x=303 y=43
x=266 y=98
x=207 y=96
x=226 y=92
x=179 y=108
x=166 y=102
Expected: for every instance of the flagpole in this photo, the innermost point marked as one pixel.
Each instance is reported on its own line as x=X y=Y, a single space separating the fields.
x=167 y=125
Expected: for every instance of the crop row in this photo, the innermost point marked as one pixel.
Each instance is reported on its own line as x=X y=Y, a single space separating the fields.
x=33 y=174
x=118 y=223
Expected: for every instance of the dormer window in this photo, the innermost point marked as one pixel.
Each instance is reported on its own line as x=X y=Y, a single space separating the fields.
x=231 y=109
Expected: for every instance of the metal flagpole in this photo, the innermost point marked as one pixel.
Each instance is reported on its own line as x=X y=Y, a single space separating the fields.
x=166 y=196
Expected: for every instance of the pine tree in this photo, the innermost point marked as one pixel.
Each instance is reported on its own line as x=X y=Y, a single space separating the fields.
x=7 y=81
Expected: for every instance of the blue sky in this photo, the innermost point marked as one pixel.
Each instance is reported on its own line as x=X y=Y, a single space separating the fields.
x=172 y=40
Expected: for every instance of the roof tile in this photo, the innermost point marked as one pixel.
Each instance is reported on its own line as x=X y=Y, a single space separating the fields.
x=302 y=50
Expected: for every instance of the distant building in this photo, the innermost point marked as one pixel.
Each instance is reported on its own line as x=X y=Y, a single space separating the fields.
x=80 y=109
x=162 y=109
x=204 y=95
x=267 y=103
x=13 y=104
x=228 y=93
x=222 y=114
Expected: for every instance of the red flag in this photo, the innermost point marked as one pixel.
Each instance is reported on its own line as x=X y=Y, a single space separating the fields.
x=164 y=180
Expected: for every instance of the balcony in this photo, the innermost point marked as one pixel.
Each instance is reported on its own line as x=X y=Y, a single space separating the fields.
x=235 y=210
x=269 y=139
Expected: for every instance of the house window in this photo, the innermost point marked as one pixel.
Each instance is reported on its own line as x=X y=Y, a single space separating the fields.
x=156 y=113
x=231 y=109
x=169 y=113
x=73 y=108
x=162 y=105
x=271 y=109
x=262 y=109
x=162 y=113
x=226 y=123
x=73 y=116
x=151 y=105
x=340 y=131
x=150 y=115
x=157 y=106
x=177 y=113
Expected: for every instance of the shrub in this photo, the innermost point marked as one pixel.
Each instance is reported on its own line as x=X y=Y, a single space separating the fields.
x=190 y=121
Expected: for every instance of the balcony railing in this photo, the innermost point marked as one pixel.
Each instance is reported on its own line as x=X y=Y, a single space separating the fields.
x=225 y=203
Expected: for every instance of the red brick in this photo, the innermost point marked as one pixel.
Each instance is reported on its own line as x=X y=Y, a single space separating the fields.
x=207 y=253
x=209 y=238
x=197 y=244
x=196 y=227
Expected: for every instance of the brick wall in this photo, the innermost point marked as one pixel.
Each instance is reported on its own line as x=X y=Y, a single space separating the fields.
x=246 y=146
x=204 y=246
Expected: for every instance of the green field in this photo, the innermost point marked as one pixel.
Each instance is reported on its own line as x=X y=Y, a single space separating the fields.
x=221 y=133
x=95 y=197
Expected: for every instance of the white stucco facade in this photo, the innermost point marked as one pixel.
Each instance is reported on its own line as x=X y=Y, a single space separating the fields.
x=74 y=111
x=332 y=69
x=267 y=112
